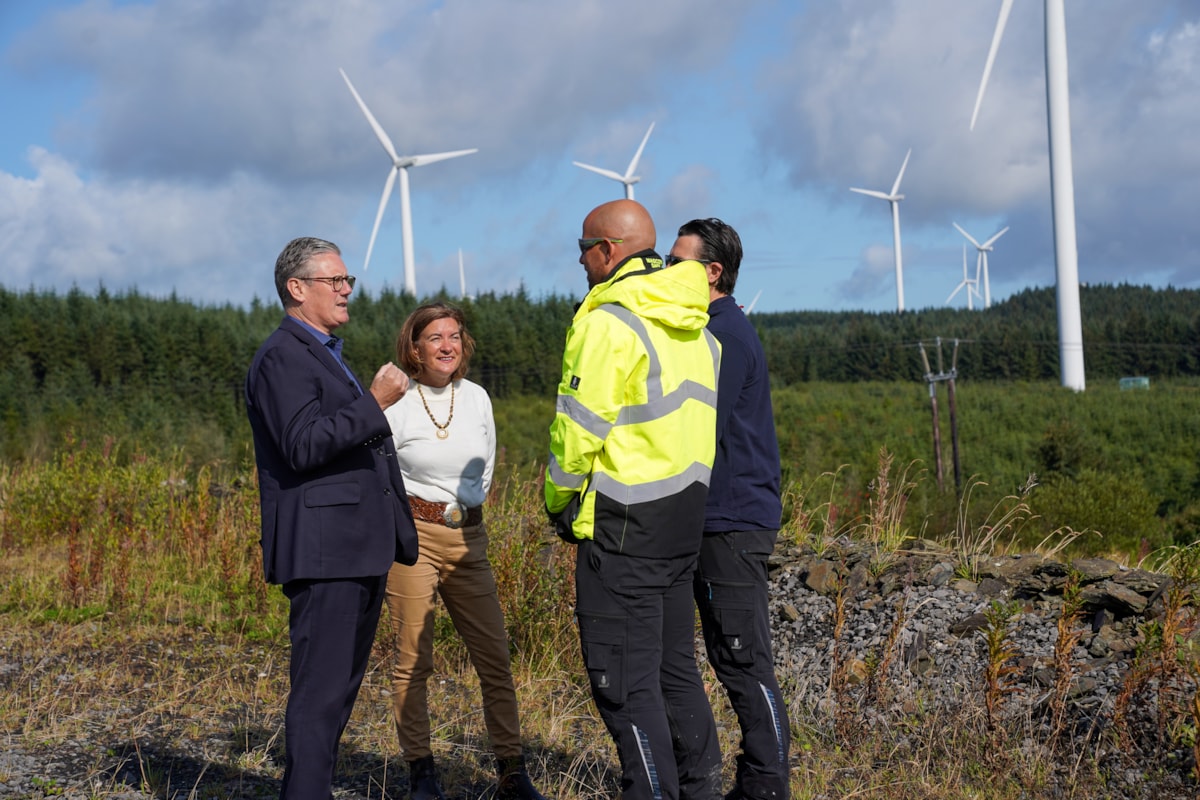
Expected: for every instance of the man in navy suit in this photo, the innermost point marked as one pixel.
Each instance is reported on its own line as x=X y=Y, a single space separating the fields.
x=335 y=513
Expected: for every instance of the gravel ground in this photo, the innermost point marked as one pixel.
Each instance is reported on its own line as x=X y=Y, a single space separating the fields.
x=925 y=666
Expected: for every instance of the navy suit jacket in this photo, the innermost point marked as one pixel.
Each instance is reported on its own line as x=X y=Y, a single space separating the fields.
x=333 y=500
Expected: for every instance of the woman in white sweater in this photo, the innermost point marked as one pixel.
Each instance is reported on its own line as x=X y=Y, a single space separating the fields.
x=446 y=443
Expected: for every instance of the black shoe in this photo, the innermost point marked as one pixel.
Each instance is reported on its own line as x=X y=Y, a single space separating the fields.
x=423 y=780
x=514 y=781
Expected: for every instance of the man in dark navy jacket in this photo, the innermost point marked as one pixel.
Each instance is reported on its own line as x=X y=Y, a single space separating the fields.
x=335 y=514
x=742 y=517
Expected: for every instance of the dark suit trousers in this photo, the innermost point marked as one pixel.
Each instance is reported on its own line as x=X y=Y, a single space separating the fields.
x=332 y=626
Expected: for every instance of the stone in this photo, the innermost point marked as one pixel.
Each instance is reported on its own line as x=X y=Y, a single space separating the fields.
x=823 y=577
x=992 y=587
x=1092 y=570
x=1140 y=581
x=975 y=622
x=1115 y=597
x=939 y=574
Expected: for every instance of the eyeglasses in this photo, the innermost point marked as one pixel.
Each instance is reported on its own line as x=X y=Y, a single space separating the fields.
x=588 y=244
x=672 y=259
x=336 y=281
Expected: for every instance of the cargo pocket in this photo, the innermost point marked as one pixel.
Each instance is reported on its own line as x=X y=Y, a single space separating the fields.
x=602 y=640
x=736 y=637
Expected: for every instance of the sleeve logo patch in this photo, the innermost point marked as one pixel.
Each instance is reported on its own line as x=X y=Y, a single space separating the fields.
x=574 y=382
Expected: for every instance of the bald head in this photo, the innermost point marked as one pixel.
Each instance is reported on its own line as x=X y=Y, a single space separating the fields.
x=625 y=228
x=622 y=219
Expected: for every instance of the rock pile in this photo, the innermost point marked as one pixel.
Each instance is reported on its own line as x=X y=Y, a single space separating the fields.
x=911 y=638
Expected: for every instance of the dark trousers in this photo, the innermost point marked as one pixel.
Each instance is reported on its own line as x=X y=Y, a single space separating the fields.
x=332 y=625
x=731 y=593
x=637 y=625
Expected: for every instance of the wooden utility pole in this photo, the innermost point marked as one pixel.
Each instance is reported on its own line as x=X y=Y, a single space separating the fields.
x=933 y=379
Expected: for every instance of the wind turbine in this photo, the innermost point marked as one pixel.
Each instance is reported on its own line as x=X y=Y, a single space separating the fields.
x=629 y=179
x=981 y=261
x=1062 y=184
x=894 y=197
x=400 y=165
x=972 y=286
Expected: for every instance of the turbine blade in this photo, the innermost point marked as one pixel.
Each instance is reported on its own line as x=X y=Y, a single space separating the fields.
x=750 y=308
x=383 y=201
x=380 y=133
x=637 y=156
x=896 y=185
x=608 y=173
x=433 y=158
x=970 y=238
x=872 y=193
x=957 y=289
x=1005 y=7
x=992 y=240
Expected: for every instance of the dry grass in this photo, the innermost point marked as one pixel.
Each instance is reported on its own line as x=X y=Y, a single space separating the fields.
x=148 y=654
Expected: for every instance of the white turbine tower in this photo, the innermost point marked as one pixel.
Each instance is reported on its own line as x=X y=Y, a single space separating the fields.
x=629 y=179
x=981 y=261
x=400 y=165
x=972 y=286
x=462 y=279
x=894 y=197
x=1062 y=184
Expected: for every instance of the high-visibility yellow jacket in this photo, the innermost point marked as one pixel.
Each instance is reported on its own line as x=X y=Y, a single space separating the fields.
x=634 y=433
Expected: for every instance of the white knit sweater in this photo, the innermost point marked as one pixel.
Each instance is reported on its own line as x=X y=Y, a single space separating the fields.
x=458 y=467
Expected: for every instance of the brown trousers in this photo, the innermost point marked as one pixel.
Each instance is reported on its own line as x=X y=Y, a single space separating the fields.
x=453 y=564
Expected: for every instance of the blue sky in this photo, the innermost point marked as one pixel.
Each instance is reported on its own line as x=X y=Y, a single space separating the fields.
x=177 y=145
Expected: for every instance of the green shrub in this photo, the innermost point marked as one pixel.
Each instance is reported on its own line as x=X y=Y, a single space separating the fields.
x=1118 y=507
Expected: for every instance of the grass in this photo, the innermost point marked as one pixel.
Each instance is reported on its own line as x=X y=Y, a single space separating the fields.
x=137 y=637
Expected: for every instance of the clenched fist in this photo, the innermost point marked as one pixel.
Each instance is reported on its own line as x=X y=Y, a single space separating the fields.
x=389 y=385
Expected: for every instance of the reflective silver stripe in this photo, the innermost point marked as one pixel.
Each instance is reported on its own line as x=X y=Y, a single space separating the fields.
x=654 y=389
x=658 y=404
x=584 y=417
x=643 y=745
x=627 y=494
x=665 y=406
x=776 y=723
x=562 y=479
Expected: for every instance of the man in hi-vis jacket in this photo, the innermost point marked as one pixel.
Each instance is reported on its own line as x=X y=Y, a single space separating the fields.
x=631 y=449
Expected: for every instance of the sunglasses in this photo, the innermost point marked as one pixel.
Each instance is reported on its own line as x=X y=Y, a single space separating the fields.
x=588 y=244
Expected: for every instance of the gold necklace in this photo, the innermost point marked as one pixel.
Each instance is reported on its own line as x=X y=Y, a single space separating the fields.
x=442 y=433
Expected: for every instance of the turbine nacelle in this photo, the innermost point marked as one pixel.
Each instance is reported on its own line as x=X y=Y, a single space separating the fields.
x=628 y=179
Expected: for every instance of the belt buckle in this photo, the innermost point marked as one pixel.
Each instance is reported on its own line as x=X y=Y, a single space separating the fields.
x=454 y=515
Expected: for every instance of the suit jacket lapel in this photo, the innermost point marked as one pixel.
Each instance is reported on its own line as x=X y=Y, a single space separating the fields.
x=322 y=354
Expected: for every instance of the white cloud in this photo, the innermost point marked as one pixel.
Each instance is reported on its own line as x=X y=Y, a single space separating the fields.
x=868 y=79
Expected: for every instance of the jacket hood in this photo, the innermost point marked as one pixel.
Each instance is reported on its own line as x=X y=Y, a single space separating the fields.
x=676 y=297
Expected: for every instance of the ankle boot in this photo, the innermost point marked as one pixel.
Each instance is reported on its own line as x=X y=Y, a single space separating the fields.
x=423 y=780
x=514 y=780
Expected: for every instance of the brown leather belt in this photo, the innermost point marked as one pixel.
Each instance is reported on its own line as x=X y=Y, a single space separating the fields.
x=452 y=515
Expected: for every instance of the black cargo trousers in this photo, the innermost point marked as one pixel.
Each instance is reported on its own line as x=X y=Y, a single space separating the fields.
x=637 y=631
x=730 y=588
